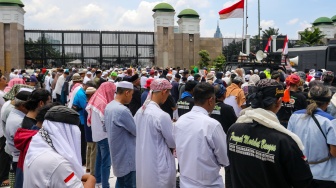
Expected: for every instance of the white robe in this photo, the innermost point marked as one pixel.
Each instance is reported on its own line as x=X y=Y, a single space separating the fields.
x=86 y=79
x=59 y=84
x=201 y=149
x=155 y=163
x=47 y=83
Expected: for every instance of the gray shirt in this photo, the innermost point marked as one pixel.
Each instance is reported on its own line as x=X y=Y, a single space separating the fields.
x=4 y=115
x=121 y=133
x=13 y=122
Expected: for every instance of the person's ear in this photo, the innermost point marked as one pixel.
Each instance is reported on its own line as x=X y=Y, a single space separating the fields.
x=279 y=102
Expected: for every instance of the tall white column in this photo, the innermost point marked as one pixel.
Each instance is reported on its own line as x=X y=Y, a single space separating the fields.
x=247 y=37
x=274 y=43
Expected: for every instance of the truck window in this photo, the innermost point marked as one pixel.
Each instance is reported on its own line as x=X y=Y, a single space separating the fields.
x=332 y=53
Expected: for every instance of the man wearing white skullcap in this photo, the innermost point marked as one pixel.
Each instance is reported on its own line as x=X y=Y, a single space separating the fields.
x=121 y=134
x=155 y=163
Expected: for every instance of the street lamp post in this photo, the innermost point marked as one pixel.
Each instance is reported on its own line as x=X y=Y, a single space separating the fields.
x=259 y=24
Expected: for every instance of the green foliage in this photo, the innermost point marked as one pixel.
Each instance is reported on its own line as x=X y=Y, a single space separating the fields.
x=255 y=43
x=311 y=38
x=35 y=50
x=219 y=62
x=269 y=32
x=205 y=58
x=232 y=50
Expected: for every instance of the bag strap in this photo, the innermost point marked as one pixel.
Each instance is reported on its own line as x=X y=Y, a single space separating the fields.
x=319 y=126
x=329 y=156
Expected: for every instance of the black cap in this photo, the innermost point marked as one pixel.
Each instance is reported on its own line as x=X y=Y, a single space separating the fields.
x=133 y=78
x=23 y=95
x=196 y=76
x=63 y=114
x=190 y=85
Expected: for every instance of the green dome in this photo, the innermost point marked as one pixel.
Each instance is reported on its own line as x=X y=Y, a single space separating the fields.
x=333 y=18
x=163 y=7
x=11 y=3
x=322 y=20
x=188 y=13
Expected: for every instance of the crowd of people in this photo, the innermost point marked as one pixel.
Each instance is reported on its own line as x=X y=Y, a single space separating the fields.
x=69 y=127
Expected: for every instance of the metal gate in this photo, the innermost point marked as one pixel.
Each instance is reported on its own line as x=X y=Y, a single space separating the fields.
x=104 y=49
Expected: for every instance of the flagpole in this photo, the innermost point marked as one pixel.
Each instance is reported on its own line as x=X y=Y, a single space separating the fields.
x=246 y=25
x=243 y=28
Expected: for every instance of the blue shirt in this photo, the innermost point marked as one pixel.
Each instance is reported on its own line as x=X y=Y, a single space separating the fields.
x=121 y=134
x=80 y=103
x=314 y=142
x=144 y=96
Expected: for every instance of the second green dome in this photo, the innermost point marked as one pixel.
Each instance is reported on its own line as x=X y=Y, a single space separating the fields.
x=333 y=18
x=188 y=13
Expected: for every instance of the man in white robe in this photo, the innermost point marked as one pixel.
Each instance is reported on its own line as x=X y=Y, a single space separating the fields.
x=155 y=163
x=201 y=146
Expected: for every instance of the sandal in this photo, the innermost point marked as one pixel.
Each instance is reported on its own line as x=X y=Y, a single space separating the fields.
x=5 y=183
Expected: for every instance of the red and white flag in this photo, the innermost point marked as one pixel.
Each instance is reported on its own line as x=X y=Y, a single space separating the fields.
x=268 y=44
x=234 y=11
x=285 y=47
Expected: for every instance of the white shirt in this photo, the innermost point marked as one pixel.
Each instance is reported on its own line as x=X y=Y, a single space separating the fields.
x=231 y=100
x=47 y=83
x=97 y=127
x=143 y=80
x=201 y=149
x=86 y=79
x=190 y=78
x=155 y=162
x=12 y=75
x=51 y=170
x=227 y=80
x=59 y=84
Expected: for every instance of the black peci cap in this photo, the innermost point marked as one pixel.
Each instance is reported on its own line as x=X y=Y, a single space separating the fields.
x=63 y=114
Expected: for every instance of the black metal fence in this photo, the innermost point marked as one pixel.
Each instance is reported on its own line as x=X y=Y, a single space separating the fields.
x=50 y=48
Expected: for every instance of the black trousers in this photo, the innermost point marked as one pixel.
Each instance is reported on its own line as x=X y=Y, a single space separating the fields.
x=83 y=144
x=228 y=182
x=58 y=98
x=323 y=184
x=5 y=161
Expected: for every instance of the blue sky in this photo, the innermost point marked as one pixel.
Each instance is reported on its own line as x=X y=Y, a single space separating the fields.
x=289 y=16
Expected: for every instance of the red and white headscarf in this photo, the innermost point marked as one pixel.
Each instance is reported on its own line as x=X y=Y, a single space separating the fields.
x=100 y=99
x=156 y=85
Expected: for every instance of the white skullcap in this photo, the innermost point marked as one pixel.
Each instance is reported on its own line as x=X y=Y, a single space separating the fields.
x=26 y=89
x=104 y=74
x=181 y=71
x=170 y=75
x=125 y=84
x=90 y=73
x=256 y=70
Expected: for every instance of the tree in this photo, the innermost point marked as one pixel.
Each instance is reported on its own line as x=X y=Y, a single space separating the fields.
x=269 y=32
x=311 y=37
x=205 y=59
x=231 y=51
x=255 y=43
x=219 y=62
x=42 y=52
